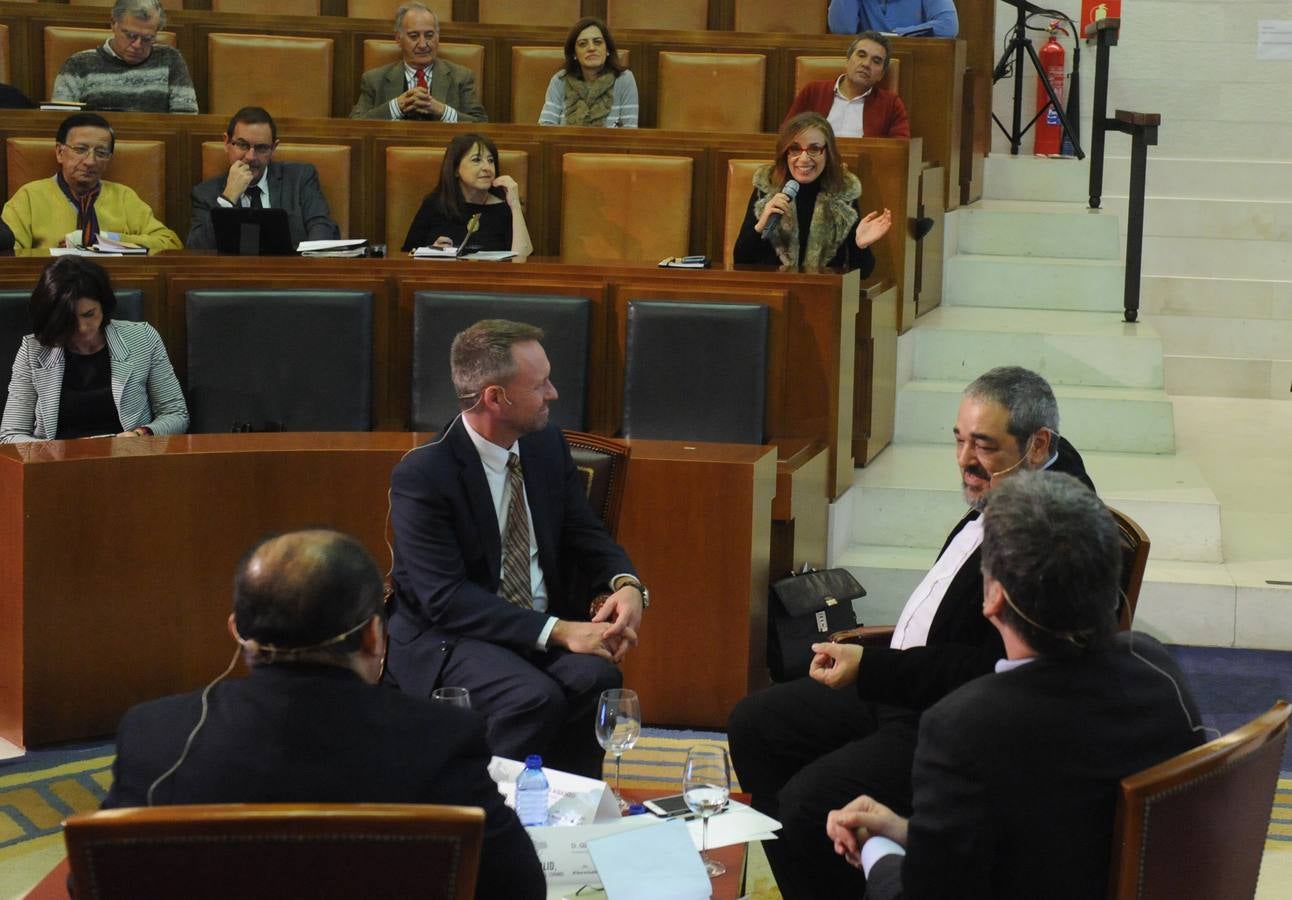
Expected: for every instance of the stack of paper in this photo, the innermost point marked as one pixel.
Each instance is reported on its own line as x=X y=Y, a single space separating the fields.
x=349 y=247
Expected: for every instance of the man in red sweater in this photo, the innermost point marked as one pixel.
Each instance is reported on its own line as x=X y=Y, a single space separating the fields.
x=854 y=103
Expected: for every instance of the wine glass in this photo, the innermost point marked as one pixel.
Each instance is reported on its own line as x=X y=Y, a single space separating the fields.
x=619 y=724
x=706 y=785
x=452 y=696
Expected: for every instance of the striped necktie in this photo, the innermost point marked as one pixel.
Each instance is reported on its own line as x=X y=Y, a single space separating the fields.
x=515 y=587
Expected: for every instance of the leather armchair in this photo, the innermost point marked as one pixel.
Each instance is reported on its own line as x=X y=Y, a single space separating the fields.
x=331 y=160
x=681 y=15
x=382 y=53
x=285 y=360
x=4 y=55
x=439 y=315
x=527 y=12
x=140 y=165
x=289 y=76
x=603 y=462
x=280 y=7
x=780 y=17
x=277 y=850
x=710 y=91
x=622 y=207
x=740 y=182
x=1196 y=825
x=61 y=41
x=413 y=172
x=696 y=371
x=385 y=9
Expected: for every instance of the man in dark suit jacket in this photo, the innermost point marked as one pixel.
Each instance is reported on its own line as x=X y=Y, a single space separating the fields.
x=255 y=180
x=311 y=724
x=802 y=749
x=1016 y=773
x=494 y=566
x=422 y=85
x=854 y=103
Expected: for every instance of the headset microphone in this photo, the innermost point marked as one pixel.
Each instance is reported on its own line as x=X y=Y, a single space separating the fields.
x=790 y=190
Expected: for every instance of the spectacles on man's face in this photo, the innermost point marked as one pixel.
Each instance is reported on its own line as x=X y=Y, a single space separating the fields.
x=134 y=37
x=815 y=151
x=242 y=147
x=80 y=151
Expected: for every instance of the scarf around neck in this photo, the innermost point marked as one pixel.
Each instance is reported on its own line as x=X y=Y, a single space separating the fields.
x=589 y=102
x=86 y=219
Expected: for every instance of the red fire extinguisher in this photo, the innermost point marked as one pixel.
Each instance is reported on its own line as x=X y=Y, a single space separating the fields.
x=1049 y=133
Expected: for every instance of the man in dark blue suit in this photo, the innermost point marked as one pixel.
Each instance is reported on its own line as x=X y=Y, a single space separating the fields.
x=497 y=555
x=310 y=723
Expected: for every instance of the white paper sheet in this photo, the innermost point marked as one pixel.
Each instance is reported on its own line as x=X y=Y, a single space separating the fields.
x=344 y=244
x=1274 y=39
x=571 y=799
x=655 y=863
x=737 y=824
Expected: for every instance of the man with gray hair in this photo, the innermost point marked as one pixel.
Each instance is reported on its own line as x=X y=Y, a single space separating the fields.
x=802 y=748
x=131 y=72
x=497 y=555
x=854 y=103
x=1071 y=710
x=422 y=85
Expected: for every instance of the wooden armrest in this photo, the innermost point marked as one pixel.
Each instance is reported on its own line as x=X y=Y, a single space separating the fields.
x=1141 y=120
x=1109 y=24
x=866 y=636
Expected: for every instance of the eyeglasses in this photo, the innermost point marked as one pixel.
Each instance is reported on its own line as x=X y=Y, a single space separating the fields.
x=816 y=151
x=80 y=152
x=134 y=37
x=242 y=147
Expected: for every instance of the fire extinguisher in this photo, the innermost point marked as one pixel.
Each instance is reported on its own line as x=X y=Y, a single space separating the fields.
x=1049 y=133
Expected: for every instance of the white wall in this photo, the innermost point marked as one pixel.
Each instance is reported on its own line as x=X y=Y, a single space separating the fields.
x=1192 y=61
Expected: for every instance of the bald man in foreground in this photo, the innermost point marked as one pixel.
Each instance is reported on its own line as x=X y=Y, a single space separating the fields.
x=310 y=725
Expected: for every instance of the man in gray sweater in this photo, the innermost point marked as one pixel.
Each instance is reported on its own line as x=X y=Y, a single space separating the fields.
x=131 y=71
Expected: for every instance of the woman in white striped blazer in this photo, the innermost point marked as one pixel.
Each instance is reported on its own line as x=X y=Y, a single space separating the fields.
x=82 y=375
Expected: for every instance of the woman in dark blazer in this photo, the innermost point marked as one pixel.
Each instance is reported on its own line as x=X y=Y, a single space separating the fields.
x=82 y=375
x=470 y=187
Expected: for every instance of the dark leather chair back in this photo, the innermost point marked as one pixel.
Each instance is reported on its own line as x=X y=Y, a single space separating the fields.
x=263 y=850
x=603 y=462
x=1196 y=825
x=696 y=371
x=439 y=315
x=290 y=360
x=15 y=322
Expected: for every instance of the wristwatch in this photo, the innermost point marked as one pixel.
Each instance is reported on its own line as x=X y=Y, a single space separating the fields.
x=624 y=580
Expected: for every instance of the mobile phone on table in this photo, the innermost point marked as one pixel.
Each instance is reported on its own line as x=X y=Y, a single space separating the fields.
x=671 y=807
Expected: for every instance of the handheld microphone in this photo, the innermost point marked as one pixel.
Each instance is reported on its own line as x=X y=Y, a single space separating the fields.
x=790 y=190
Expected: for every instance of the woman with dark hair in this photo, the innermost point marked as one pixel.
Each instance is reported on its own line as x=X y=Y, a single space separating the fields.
x=82 y=375
x=470 y=187
x=594 y=88
x=821 y=226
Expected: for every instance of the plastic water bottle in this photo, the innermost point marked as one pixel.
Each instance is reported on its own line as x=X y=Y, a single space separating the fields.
x=531 y=792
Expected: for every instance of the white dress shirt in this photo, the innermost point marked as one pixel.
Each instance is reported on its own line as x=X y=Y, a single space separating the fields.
x=494 y=460
x=846 y=115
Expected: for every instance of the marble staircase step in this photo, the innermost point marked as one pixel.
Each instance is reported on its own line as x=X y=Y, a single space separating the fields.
x=1078 y=233
x=1079 y=348
x=1020 y=282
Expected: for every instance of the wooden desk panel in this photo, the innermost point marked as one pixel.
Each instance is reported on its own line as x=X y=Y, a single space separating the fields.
x=696 y=521
x=117 y=558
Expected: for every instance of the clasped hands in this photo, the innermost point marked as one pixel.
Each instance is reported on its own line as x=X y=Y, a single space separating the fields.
x=860 y=820
x=418 y=101
x=612 y=631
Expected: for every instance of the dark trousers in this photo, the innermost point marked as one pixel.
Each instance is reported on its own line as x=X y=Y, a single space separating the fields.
x=802 y=749
x=535 y=702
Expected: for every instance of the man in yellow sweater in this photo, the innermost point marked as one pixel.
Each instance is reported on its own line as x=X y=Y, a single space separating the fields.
x=76 y=207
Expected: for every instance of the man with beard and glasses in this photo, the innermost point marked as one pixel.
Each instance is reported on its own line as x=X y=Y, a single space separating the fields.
x=497 y=555
x=802 y=749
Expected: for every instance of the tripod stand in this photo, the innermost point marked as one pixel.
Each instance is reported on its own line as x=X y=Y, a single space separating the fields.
x=1019 y=45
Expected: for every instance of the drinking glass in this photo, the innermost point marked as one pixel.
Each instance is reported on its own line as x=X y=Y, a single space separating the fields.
x=706 y=785
x=619 y=724
x=453 y=696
